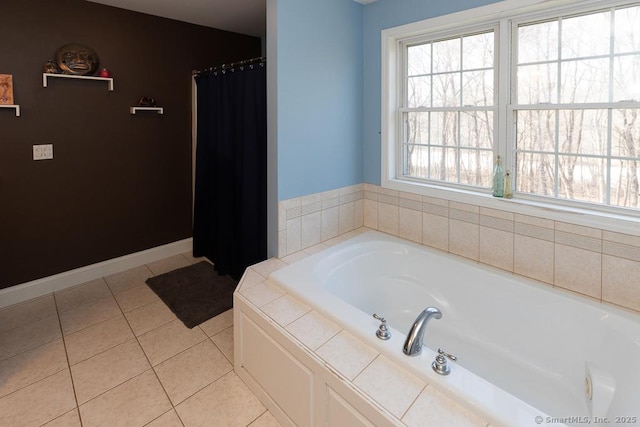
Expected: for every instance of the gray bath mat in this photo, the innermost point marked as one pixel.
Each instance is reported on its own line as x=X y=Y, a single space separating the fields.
x=195 y=293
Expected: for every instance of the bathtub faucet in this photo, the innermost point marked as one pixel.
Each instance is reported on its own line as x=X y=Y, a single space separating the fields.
x=415 y=338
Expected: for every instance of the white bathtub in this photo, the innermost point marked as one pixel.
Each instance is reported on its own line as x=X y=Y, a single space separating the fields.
x=525 y=350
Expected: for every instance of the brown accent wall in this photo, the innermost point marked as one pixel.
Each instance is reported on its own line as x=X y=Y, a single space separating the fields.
x=118 y=183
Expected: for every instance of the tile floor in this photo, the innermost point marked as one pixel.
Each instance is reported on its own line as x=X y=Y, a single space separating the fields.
x=110 y=353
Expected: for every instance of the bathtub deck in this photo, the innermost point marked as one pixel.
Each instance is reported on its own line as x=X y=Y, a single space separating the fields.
x=401 y=396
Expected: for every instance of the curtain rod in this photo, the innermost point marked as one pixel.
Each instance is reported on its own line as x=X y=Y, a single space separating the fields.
x=231 y=65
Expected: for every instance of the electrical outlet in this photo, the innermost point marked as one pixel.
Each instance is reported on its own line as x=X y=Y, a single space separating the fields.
x=43 y=152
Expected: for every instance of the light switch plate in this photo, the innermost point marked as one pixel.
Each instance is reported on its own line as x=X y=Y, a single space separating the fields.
x=43 y=152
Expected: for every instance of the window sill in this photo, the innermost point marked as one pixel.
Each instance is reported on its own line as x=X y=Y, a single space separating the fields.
x=617 y=223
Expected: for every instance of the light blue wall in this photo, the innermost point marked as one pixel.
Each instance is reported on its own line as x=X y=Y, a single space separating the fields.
x=327 y=56
x=380 y=15
x=319 y=95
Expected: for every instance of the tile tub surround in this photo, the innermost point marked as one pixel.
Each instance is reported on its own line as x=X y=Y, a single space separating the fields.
x=397 y=395
x=306 y=221
x=593 y=262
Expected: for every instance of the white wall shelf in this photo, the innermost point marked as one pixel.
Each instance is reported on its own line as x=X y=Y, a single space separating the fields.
x=45 y=77
x=159 y=110
x=15 y=107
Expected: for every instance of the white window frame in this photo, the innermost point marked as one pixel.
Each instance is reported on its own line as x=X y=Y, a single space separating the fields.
x=502 y=14
x=491 y=26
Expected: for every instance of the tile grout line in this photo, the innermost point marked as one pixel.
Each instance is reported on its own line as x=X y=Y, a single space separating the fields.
x=104 y=351
x=66 y=353
x=218 y=347
x=100 y=352
x=36 y=382
x=173 y=355
x=426 y=384
x=205 y=386
x=152 y=368
x=31 y=348
x=87 y=327
x=258 y=417
x=165 y=413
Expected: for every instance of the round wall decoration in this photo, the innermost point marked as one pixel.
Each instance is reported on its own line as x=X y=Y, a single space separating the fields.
x=77 y=59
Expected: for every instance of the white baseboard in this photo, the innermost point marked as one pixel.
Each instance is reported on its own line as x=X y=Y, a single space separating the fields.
x=46 y=285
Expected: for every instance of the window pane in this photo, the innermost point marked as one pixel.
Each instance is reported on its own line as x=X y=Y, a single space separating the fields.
x=417 y=128
x=477 y=51
x=477 y=88
x=585 y=81
x=625 y=133
x=587 y=35
x=476 y=129
x=535 y=130
x=446 y=90
x=582 y=178
x=476 y=167
x=624 y=183
x=583 y=132
x=626 y=78
x=419 y=92
x=443 y=164
x=419 y=59
x=566 y=151
x=535 y=173
x=537 y=84
x=538 y=42
x=446 y=56
x=435 y=80
x=417 y=161
x=570 y=149
x=627 y=30
x=444 y=128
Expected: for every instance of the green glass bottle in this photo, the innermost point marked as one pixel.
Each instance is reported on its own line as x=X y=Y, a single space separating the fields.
x=498 y=178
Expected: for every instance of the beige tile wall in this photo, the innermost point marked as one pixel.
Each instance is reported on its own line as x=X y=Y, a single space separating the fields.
x=306 y=221
x=596 y=263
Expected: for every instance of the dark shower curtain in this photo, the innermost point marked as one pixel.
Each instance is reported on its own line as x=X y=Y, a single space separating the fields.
x=230 y=214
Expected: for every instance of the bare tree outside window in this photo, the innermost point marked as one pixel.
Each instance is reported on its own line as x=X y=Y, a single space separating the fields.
x=567 y=121
x=573 y=141
x=449 y=117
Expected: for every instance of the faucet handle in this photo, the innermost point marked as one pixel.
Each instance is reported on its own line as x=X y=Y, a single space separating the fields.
x=383 y=332
x=449 y=355
x=440 y=364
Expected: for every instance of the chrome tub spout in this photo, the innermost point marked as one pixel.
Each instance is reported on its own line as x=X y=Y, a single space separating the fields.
x=415 y=338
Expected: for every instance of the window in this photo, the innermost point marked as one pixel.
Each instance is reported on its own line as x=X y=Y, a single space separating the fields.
x=576 y=109
x=448 y=117
x=555 y=92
